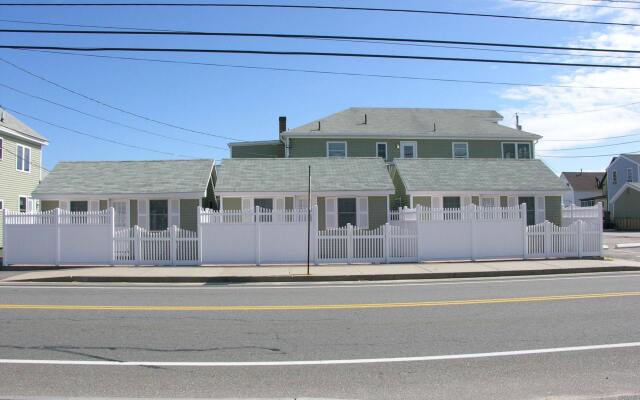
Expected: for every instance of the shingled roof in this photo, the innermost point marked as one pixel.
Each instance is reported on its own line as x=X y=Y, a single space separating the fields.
x=584 y=181
x=13 y=124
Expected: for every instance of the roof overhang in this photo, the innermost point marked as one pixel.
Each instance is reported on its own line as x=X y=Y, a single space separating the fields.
x=485 y=193
x=407 y=136
x=103 y=196
x=13 y=132
x=328 y=193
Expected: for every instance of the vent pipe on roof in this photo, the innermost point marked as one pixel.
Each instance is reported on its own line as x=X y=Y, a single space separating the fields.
x=282 y=124
x=518 y=126
x=318 y=126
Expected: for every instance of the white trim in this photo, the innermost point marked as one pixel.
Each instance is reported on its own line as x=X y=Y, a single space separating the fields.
x=516 y=150
x=343 y=193
x=627 y=185
x=26 y=202
x=15 y=133
x=1 y=148
x=394 y=136
x=251 y=143
x=453 y=150
x=386 y=150
x=346 y=154
x=102 y=196
x=409 y=143
x=18 y=145
x=522 y=193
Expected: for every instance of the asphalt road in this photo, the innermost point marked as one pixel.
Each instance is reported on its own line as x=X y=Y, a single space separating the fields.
x=347 y=340
x=612 y=238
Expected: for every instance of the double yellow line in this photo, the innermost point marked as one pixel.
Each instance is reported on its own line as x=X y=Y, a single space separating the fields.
x=304 y=307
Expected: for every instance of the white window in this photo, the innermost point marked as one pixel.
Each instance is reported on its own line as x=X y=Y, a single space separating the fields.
x=629 y=175
x=517 y=151
x=336 y=149
x=460 y=150
x=23 y=159
x=614 y=177
x=381 y=150
x=488 y=201
x=408 y=150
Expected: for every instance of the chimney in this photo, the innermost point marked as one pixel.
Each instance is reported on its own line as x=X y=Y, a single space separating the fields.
x=282 y=124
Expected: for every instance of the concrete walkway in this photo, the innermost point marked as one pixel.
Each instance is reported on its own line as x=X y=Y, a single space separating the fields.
x=292 y=273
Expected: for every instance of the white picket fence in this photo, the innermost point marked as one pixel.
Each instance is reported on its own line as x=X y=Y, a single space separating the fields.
x=261 y=236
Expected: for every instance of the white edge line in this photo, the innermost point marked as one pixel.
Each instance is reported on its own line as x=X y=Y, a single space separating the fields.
x=320 y=362
x=476 y=281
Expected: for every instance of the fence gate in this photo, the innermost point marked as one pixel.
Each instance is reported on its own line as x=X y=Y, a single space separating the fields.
x=139 y=246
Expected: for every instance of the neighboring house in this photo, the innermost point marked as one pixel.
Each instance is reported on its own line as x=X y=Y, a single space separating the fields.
x=586 y=188
x=20 y=160
x=627 y=203
x=346 y=190
x=622 y=170
x=397 y=134
x=150 y=194
x=488 y=183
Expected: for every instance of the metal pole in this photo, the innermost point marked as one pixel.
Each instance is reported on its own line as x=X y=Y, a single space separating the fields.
x=309 y=220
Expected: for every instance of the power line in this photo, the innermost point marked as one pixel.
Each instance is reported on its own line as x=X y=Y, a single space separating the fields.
x=318 y=54
x=587 y=111
x=313 y=37
x=133 y=146
x=591 y=139
x=108 y=120
x=320 y=7
x=593 y=147
x=592 y=155
x=561 y=3
x=325 y=72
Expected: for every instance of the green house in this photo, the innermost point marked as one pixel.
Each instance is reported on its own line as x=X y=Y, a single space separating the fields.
x=20 y=164
x=150 y=194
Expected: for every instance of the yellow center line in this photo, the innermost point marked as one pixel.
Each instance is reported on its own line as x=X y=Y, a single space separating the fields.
x=438 y=303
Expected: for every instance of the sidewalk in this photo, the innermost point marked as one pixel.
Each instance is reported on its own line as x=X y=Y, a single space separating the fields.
x=297 y=273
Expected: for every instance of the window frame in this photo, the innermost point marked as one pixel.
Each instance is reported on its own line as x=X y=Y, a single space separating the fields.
x=337 y=142
x=20 y=159
x=517 y=155
x=150 y=214
x=26 y=203
x=494 y=199
x=414 y=144
x=629 y=175
x=355 y=210
x=386 y=150
x=78 y=201
x=453 y=150
x=614 y=177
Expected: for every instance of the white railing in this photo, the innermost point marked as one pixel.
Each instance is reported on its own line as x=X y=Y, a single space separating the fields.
x=471 y=212
x=580 y=239
x=260 y=215
x=139 y=246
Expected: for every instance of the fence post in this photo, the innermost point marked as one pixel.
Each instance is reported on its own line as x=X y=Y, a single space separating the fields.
x=112 y=221
x=137 y=243
x=349 y=243
x=385 y=242
x=199 y=233
x=472 y=228
x=314 y=233
x=173 y=249
x=547 y=239
x=600 y=228
x=419 y=222
x=580 y=238
x=525 y=233
x=57 y=223
x=256 y=224
x=5 y=259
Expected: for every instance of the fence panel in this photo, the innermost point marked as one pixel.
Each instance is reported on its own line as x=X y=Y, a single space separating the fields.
x=333 y=245
x=580 y=239
x=402 y=243
x=572 y=213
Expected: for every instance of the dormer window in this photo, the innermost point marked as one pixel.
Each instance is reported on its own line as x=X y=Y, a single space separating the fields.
x=337 y=149
x=516 y=151
x=460 y=150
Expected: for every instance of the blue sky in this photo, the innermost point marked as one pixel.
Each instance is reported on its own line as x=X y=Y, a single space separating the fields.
x=245 y=103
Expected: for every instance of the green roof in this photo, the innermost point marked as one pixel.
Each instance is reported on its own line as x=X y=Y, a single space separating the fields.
x=291 y=175
x=127 y=177
x=477 y=175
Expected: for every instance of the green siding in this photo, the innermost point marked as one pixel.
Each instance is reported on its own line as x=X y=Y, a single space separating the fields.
x=232 y=203
x=288 y=203
x=104 y=204
x=189 y=214
x=504 y=201
x=48 y=205
x=377 y=211
x=427 y=148
x=14 y=183
x=322 y=222
x=133 y=212
x=475 y=200
x=553 y=209
x=258 y=151
x=627 y=205
x=424 y=201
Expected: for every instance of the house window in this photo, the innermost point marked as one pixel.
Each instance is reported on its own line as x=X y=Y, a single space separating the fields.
x=587 y=203
x=22 y=202
x=614 y=177
x=629 y=175
x=381 y=150
x=266 y=204
x=158 y=215
x=509 y=150
x=347 y=212
x=460 y=150
x=336 y=149
x=518 y=151
x=524 y=151
x=408 y=150
x=488 y=202
x=78 y=206
x=451 y=202
x=23 y=160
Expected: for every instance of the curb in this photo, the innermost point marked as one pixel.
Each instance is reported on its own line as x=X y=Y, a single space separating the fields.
x=627 y=245
x=322 y=278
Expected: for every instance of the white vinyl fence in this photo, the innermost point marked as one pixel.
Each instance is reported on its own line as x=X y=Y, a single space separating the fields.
x=262 y=236
x=572 y=213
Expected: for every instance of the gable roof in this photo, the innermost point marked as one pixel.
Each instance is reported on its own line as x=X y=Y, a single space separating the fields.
x=412 y=122
x=13 y=125
x=584 y=181
x=477 y=175
x=634 y=157
x=290 y=175
x=127 y=177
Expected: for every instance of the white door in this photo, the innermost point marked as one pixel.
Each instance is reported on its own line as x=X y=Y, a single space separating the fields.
x=121 y=208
